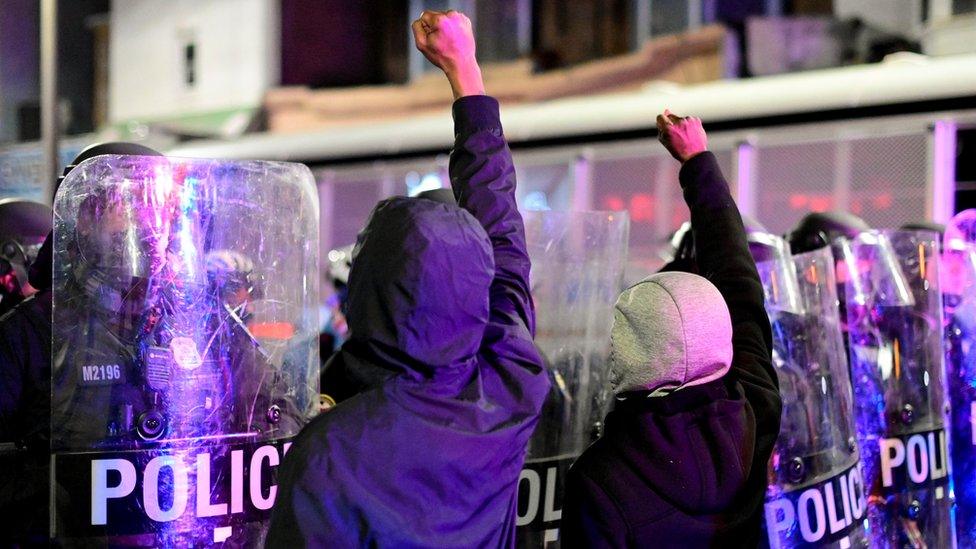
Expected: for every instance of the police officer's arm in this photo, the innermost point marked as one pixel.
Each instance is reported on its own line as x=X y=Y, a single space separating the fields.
x=723 y=257
x=25 y=371
x=481 y=170
x=11 y=389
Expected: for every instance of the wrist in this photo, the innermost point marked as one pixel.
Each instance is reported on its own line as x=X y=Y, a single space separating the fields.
x=465 y=78
x=691 y=155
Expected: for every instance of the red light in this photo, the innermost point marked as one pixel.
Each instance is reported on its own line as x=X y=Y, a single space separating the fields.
x=642 y=207
x=820 y=203
x=799 y=201
x=273 y=330
x=882 y=201
x=613 y=203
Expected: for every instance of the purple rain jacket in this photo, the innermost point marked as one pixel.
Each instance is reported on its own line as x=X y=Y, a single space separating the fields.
x=441 y=318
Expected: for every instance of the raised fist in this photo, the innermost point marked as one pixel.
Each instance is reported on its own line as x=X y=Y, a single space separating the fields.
x=682 y=137
x=445 y=38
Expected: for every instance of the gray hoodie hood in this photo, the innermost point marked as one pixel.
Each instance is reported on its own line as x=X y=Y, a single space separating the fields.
x=670 y=330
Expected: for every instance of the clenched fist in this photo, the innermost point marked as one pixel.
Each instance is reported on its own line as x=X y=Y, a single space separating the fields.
x=447 y=40
x=682 y=137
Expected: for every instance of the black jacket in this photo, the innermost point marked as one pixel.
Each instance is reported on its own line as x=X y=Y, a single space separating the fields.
x=689 y=469
x=25 y=400
x=25 y=410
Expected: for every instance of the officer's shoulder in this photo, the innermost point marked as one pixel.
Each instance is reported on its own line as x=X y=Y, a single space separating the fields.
x=14 y=330
x=16 y=314
x=31 y=308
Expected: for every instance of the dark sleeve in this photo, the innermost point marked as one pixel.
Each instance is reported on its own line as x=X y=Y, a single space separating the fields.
x=724 y=259
x=11 y=386
x=590 y=518
x=25 y=372
x=483 y=179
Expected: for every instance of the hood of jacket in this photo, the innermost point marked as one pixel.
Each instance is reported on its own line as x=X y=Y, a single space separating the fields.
x=670 y=331
x=418 y=287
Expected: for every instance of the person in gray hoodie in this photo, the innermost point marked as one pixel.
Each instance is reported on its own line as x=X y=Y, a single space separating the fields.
x=682 y=461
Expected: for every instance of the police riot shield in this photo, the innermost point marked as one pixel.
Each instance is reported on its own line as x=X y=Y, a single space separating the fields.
x=184 y=347
x=815 y=496
x=577 y=272
x=894 y=318
x=959 y=300
x=781 y=289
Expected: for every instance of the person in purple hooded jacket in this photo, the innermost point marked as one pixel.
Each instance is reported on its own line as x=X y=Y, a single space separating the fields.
x=439 y=310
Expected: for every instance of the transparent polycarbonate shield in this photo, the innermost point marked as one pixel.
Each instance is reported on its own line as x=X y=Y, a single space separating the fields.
x=775 y=265
x=898 y=375
x=959 y=300
x=670 y=250
x=962 y=227
x=868 y=266
x=815 y=457
x=577 y=272
x=184 y=346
